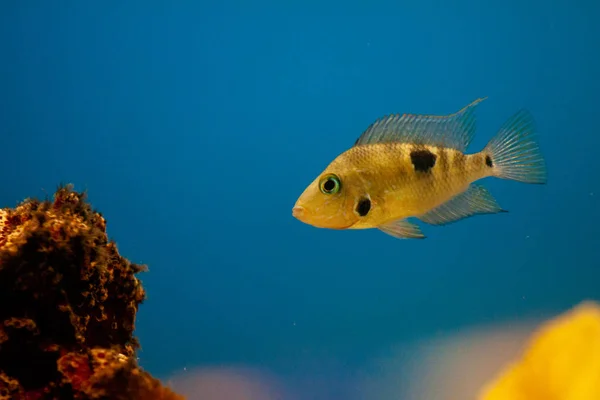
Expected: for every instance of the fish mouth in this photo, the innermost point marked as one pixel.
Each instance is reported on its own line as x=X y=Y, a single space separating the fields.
x=298 y=212
x=302 y=214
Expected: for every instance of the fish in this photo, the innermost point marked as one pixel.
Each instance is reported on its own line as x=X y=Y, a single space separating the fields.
x=407 y=166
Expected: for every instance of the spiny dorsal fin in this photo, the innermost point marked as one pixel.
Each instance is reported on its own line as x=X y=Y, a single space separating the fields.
x=454 y=131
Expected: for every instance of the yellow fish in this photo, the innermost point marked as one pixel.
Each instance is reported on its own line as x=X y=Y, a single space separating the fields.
x=412 y=165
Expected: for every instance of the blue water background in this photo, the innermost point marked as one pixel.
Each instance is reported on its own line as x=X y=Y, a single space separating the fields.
x=195 y=126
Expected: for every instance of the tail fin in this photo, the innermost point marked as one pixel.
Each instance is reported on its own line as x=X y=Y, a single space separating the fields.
x=514 y=152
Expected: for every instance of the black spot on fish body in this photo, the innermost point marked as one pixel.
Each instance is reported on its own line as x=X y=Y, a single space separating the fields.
x=363 y=207
x=423 y=160
x=488 y=161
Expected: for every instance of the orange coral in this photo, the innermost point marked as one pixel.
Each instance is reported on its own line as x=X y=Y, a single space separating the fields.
x=562 y=361
x=68 y=303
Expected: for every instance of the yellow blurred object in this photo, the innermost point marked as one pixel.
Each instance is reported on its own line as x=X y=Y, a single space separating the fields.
x=562 y=361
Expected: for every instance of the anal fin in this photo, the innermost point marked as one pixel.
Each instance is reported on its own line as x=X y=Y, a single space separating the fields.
x=402 y=229
x=475 y=200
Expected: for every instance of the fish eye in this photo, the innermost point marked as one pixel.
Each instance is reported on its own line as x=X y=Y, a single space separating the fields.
x=330 y=184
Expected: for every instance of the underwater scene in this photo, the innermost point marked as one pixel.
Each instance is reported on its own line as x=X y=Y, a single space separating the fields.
x=300 y=201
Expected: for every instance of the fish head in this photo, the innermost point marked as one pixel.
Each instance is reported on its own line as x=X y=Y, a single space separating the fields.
x=330 y=199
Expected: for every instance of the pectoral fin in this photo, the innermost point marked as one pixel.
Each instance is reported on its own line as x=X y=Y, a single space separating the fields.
x=475 y=200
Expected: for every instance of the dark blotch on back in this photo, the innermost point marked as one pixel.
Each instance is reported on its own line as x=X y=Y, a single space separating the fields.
x=363 y=207
x=423 y=160
x=488 y=161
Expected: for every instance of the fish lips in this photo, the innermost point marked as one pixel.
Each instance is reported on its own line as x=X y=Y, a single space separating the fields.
x=303 y=215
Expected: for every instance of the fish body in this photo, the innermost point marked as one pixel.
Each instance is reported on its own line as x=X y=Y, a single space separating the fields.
x=410 y=165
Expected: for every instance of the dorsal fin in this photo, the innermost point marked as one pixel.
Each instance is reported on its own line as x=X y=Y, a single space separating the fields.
x=454 y=131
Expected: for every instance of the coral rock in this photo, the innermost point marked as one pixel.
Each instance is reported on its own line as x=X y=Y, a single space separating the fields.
x=68 y=303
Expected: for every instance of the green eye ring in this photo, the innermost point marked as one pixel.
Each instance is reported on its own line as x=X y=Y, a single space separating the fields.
x=330 y=184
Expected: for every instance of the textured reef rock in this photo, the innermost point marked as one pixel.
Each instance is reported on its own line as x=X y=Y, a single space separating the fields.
x=68 y=303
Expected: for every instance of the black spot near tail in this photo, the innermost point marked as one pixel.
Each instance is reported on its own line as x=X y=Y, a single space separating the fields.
x=363 y=207
x=422 y=160
x=488 y=161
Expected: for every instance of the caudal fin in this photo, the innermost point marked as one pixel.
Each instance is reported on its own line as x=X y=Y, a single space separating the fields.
x=514 y=152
